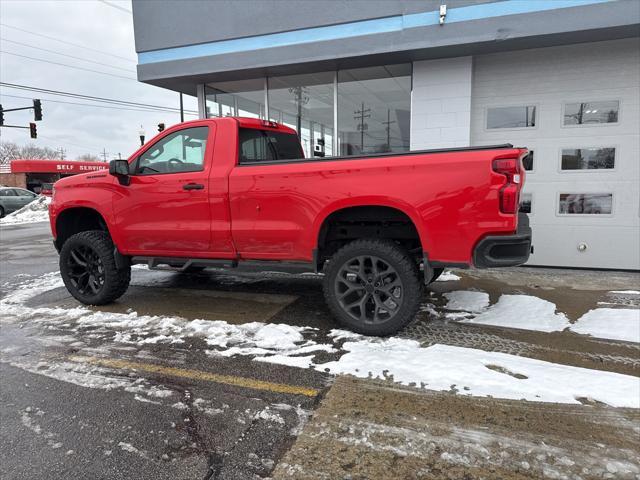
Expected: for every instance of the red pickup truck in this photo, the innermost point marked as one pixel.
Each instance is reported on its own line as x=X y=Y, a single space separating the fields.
x=230 y=191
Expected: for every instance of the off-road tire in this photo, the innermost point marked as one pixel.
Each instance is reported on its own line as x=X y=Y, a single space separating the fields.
x=406 y=269
x=116 y=280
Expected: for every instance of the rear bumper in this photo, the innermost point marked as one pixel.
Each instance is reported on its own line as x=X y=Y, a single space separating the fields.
x=505 y=250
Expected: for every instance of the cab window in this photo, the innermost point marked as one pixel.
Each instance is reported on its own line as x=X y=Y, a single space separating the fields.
x=257 y=146
x=179 y=152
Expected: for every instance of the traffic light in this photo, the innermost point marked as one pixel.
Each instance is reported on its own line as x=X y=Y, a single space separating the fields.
x=160 y=127
x=1 y=116
x=33 y=130
x=37 y=110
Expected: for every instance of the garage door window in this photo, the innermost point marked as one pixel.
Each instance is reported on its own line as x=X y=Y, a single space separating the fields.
x=511 y=117
x=586 y=204
x=591 y=113
x=527 y=161
x=526 y=200
x=588 y=158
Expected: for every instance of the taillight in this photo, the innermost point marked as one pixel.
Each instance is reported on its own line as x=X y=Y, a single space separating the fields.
x=510 y=192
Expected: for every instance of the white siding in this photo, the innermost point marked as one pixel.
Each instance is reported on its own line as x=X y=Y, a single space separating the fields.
x=441 y=103
x=547 y=78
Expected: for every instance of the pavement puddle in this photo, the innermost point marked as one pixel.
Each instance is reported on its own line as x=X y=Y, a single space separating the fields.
x=232 y=307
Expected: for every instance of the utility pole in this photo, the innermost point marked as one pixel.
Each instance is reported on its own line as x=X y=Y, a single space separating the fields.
x=181 y=109
x=119 y=156
x=388 y=127
x=104 y=155
x=62 y=153
x=360 y=115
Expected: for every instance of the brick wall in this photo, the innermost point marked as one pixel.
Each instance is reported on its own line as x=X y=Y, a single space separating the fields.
x=13 y=180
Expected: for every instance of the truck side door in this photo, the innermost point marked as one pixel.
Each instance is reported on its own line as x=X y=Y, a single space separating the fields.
x=164 y=211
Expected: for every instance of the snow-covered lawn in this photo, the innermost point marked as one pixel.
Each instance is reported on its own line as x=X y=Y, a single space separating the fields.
x=612 y=323
x=36 y=211
x=438 y=367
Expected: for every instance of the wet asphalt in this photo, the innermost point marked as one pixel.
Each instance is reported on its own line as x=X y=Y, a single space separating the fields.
x=198 y=428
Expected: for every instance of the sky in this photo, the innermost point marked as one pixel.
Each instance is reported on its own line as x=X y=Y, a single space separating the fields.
x=104 y=32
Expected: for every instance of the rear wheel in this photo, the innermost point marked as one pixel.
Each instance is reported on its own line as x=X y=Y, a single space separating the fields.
x=89 y=271
x=373 y=287
x=1 y=212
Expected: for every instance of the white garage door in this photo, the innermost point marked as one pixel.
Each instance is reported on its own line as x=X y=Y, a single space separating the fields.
x=577 y=107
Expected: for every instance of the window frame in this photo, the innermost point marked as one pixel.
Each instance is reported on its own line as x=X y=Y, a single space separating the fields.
x=533 y=210
x=133 y=165
x=269 y=162
x=533 y=170
x=585 y=215
x=589 y=170
x=587 y=125
x=511 y=129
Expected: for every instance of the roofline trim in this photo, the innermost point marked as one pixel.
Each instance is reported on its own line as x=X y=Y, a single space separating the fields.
x=359 y=28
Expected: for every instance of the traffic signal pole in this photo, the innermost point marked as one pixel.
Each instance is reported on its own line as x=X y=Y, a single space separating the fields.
x=37 y=116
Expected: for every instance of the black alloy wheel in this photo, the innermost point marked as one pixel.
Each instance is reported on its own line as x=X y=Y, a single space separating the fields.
x=86 y=270
x=373 y=286
x=369 y=289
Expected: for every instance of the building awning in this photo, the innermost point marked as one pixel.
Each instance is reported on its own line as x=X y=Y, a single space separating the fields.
x=55 y=166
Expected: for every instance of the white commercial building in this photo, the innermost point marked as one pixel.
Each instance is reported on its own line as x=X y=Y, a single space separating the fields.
x=561 y=77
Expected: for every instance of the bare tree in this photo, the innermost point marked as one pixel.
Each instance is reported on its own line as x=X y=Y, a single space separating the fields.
x=88 y=157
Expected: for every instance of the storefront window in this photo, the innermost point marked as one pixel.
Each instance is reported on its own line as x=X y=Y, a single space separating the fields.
x=374 y=106
x=241 y=98
x=305 y=103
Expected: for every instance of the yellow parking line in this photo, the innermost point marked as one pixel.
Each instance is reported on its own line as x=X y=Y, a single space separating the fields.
x=199 y=375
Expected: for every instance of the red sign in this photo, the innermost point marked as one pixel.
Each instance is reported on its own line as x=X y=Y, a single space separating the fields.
x=55 y=166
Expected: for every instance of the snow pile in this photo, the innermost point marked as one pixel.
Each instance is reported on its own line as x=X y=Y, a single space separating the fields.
x=512 y=311
x=447 y=276
x=467 y=300
x=611 y=323
x=36 y=211
x=477 y=372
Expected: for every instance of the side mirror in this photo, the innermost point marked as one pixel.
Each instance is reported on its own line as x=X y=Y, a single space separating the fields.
x=120 y=169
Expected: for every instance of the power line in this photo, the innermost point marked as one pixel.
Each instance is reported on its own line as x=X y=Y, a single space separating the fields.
x=65 y=55
x=89 y=97
x=117 y=7
x=94 y=105
x=68 y=66
x=66 y=42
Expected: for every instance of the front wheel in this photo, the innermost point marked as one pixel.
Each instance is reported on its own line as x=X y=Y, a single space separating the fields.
x=89 y=271
x=373 y=287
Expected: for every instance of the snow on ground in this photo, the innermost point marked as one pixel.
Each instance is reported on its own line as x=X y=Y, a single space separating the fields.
x=612 y=323
x=517 y=311
x=477 y=372
x=36 y=211
x=438 y=367
x=447 y=276
x=467 y=300
x=626 y=292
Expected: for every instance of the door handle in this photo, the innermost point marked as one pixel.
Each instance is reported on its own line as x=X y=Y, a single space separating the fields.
x=193 y=186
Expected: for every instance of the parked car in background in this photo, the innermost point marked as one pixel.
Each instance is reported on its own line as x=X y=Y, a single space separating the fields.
x=12 y=199
x=46 y=189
